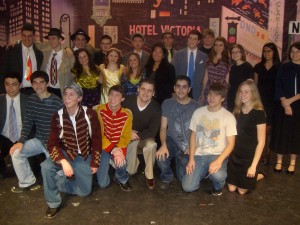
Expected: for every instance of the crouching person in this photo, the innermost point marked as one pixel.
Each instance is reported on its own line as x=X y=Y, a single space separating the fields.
x=74 y=147
x=116 y=125
x=212 y=140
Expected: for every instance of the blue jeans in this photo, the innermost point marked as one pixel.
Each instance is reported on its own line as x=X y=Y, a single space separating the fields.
x=102 y=174
x=55 y=181
x=21 y=165
x=191 y=182
x=165 y=165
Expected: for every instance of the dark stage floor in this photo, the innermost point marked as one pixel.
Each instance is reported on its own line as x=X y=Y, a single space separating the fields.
x=275 y=201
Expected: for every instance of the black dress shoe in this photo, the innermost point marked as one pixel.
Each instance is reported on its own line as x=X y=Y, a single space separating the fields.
x=124 y=187
x=51 y=213
x=277 y=170
x=288 y=172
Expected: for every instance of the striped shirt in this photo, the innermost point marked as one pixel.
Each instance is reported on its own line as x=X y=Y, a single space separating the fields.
x=116 y=127
x=39 y=113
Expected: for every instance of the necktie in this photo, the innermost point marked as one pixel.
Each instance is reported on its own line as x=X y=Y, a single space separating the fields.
x=28 y=70
x=191 y=67
x=169 y=55
x=12 y=123
x=53 y=70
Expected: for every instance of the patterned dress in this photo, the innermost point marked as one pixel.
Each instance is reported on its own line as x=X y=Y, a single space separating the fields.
x=216 y=74
x=110 y=78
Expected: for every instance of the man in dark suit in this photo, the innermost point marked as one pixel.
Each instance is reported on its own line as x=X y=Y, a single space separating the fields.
x=12 y=83
x=138 y=41
x=105 y=44
x=167 y=39
x=24 y=58
x=194 y=69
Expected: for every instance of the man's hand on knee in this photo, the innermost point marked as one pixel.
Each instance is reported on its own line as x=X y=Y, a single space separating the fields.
x=15 y=147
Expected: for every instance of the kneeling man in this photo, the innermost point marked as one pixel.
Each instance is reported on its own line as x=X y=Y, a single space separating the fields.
x=74 y=146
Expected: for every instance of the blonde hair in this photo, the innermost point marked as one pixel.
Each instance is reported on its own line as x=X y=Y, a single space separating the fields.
x=255 y=97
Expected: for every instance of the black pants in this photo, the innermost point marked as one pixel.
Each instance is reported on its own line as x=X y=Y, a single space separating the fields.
x=5 y=145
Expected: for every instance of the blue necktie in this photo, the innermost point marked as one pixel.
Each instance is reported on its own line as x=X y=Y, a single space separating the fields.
x=191 y=67
x=12 y=123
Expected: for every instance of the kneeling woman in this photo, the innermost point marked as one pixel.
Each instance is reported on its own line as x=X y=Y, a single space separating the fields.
x=250 y=141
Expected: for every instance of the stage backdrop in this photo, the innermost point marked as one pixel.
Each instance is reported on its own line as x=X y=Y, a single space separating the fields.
x=247 y=22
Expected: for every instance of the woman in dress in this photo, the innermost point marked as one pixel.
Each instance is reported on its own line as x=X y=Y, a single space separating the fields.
x=240 y=71
x=285 y=138
x=87 y=76
x=265 y=77
x=131 y=79
x=111 y=72
x=250 y=141
x=162 y=72
x=217 y=68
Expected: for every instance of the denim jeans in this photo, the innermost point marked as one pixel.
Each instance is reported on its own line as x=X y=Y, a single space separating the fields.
x=181 y=160
x=191 y=182
x=55 y=181
x=103 y=171
x=21 y=165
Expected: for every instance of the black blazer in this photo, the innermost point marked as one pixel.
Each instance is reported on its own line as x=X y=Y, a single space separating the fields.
x=3 y=108
x=14 y=59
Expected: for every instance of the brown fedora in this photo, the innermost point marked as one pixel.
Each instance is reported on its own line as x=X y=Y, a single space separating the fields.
x=55 y=32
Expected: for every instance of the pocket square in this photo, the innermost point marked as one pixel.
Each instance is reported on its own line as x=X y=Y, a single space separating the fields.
x=201 y=62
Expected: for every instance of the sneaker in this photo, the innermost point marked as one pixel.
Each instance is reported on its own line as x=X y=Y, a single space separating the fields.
x=125 y=187
x=216 y=192
x=32 y=187
x=164 y=186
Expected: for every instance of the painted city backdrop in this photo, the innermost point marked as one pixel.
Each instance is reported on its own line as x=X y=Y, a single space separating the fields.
x=251 y=23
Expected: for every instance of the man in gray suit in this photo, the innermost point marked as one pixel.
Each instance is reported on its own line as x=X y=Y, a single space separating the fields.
x=12 y=84
x=60 y=73
x=138 y=41
x=191 y=61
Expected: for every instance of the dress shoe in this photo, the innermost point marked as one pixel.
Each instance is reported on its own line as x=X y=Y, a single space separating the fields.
x=124 y=187
x=32 y=187
x=164 y=186
x=51 y=212
x=289 y=172
x=150 y=184
x=278 y=170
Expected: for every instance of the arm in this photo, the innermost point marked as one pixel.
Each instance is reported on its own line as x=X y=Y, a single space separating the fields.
x=205 y=79
x=190 y=167
x=216 y=165
x=126 y=134
x=261 y=137
x=227 y=78
x=163 y=151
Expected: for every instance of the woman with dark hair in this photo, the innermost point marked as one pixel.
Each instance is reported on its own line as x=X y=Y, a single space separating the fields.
x=217 y=67
x=131 y=79
x=87 y=76
x=111 y=72
x=162 y=72
x=286 y=128
x=240 y=71
x=265 y=78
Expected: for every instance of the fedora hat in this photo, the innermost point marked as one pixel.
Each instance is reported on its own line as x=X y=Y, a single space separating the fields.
x=55 y=32
x=81 y=32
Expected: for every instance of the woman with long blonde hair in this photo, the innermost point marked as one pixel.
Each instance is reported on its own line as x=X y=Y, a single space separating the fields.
x=250 y=141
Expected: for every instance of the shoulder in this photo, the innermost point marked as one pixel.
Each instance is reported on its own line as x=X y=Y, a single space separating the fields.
x=168 y=102
x=259 y=114
x=100 y=107
x=127 y=111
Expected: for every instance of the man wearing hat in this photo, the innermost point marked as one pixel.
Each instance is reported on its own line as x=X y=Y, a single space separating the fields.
x=167 y=39
x=80 y=40
x=57 y=64
x=138 y=41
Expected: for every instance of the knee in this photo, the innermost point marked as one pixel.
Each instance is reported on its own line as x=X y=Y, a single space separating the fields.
x=189 y=187
x=232 y=188
x=151 y=145
x=47 y=165
x=242 y=191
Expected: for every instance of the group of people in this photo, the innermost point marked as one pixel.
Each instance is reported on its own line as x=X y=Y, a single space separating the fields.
x=100 y=108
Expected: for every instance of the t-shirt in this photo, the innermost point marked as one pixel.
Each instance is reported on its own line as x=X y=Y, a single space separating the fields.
x=212 y=129
x=179 y=117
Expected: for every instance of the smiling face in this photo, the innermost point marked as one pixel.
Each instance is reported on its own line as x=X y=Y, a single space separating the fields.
x=236 y=54
x=181 y=89
x=295 y=55
x=80 y=41
x=157 y=54
x=105 y=45
x=268 y=53
x=193 y=41
x=113 y=57
x=208 y=41
x=168 y=41
x=27 y=38
x=114 y=100
x=214 y=100
x=219 y=47
x=83 y=59
x=39 y=85
x=133 y=61
x=245 y=94
x=145 y=92
x=54 y=42
x=137 y=43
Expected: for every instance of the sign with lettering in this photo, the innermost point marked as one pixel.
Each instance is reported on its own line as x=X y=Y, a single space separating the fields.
x=294 y=27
